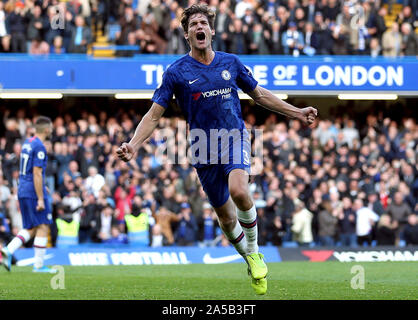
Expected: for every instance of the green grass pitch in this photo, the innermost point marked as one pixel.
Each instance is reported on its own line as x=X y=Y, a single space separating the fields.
x=286 y=280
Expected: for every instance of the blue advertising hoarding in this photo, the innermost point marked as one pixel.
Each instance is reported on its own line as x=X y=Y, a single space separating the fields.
x=96 y=255
x=89 y=256
x=75 y=73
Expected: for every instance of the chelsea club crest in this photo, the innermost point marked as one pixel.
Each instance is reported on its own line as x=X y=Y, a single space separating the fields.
x=226 y=75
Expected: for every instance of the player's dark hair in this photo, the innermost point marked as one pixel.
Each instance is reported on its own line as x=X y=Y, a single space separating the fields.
x=197 y=8
x=41 y=122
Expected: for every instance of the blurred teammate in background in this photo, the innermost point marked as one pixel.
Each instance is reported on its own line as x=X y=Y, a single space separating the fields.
x=32 y=195
x=205 y=84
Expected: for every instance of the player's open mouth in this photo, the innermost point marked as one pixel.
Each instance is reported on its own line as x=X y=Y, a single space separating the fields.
x=200 y=36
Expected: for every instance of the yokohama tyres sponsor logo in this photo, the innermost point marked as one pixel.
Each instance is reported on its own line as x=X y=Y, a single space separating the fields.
x=376 y=256
x=216 y=92
x=225 y=92
x=354 y=255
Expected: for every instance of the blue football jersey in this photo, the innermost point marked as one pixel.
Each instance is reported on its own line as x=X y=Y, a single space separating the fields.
x=33 y=154
x=207 y=94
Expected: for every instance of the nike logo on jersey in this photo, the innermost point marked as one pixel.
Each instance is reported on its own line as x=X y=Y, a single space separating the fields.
x=190 y=82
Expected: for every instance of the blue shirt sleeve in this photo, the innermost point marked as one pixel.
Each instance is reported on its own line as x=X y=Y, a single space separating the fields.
x=39 y=156
x=164 y=93
x=245 y=79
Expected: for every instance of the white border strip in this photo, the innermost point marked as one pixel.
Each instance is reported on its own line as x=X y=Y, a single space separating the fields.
x=367 y=96
x=31 y=95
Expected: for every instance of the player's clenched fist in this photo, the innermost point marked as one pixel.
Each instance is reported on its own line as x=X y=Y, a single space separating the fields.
x=125 y=152
x=309 y=115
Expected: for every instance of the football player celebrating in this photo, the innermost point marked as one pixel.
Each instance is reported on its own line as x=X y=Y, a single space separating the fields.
x=205 y=84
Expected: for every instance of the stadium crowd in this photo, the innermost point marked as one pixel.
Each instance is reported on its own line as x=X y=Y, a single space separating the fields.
x=336 y=183
x=294 y=27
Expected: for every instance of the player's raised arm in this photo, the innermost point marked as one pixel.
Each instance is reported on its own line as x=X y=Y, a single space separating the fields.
x=142 y=132
x=38 y=184
x=268 y=100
